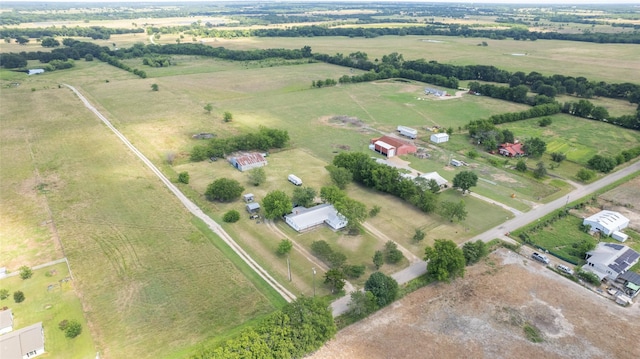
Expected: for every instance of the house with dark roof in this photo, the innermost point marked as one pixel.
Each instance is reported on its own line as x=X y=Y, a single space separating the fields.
x=6 y=321
x=23 y=343
x=302 y=219
x=609 y=260
x=391 y=146
x=248 y=161
x=511 y=149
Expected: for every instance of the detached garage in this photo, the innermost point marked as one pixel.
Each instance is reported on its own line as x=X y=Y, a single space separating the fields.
x=439 y=137
x=390 y=146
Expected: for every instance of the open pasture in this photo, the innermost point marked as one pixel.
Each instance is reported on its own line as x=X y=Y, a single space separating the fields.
x=50 y=298
x=600 y=62
x=578 y=138
x=138 y=260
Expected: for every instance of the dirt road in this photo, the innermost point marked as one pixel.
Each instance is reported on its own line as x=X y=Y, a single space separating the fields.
x=192 y=207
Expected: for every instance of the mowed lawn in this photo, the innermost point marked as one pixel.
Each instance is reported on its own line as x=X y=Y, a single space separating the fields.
x=150 y=281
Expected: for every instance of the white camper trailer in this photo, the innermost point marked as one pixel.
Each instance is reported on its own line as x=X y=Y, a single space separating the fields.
x=295 y=180
x=408 y=132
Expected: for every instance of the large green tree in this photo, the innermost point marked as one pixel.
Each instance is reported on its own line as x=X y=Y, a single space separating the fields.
x=465 y=180
x=257 y=176
x=311 y=323
x=335 y=279
x=534 y=147
x=362 y=304
x=453 y=211
x=601 y=163
x=474 y=251
x=383 y=287
x=445 y=260
x=276 y=204
x=341 y=177
x=303 y=196
x=224 y=190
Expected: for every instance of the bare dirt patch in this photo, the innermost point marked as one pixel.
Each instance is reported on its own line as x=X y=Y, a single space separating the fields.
x=484 y=314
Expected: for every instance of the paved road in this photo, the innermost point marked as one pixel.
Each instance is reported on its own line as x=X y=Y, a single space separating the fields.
x=419 y=268
x=192 y=207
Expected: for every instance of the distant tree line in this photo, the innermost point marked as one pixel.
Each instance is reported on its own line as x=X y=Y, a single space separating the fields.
x=94 y=32
x=381 y=177
x=264 y=139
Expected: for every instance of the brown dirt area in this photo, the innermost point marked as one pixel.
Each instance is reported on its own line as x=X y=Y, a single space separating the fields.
x=483 y=314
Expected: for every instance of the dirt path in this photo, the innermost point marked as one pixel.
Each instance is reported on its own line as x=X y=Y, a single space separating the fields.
x=192 y=207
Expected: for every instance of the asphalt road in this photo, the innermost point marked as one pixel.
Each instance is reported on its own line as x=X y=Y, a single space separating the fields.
x=192 y=207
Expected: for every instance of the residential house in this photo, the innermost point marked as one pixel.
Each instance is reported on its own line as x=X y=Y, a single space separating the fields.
x=23 y=343
x=248 y=161
x=609 y=260
x=302 y=219
x=607 y=222
x=511 y=149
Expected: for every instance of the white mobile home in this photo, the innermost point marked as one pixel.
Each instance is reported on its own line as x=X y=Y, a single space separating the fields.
x=295 y=180
x=439 y=137
x=408 y=132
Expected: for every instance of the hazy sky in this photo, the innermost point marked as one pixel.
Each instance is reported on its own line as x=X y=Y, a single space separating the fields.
x=533 y=2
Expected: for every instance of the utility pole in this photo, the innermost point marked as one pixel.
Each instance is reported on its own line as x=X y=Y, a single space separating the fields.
x=314 y=281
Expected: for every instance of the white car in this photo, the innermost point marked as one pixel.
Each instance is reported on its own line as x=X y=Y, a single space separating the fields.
x=540 y=257
x=563 y=268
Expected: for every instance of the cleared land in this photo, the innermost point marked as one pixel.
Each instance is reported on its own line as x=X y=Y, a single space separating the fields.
x=140 y=262
x=484 y=315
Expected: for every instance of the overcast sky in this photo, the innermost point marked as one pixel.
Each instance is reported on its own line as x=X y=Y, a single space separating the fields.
x=532 y=2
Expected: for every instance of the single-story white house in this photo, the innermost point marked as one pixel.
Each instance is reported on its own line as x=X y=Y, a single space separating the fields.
x=23 y=343
x=609 y=260
x=441 y=181
x=248 y=161
x=607 y=222
x=6 y=321
x=302 y=219
x=440 y=137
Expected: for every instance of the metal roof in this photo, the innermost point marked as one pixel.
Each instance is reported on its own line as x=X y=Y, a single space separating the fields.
x=630 y=276
x=16 y=344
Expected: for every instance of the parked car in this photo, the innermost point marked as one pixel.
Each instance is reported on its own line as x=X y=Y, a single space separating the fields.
x=540 y=257
x=563 y=268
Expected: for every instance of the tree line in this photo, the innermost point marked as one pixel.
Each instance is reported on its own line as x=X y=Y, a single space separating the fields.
x=94 y=32
x=264 y=139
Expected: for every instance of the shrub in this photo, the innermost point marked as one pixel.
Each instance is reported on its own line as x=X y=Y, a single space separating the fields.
x=532 y=333
x=374 y=211
x=588 y=276
x=392 y=253
x=472 y=154
x=73 y=329
x=63 y=324
x=25 y=272
x=231 y=217
x=183 y=177
x=558 y=157
x=18 y=297
x=4 y=294
x=354 y=271
x=521 y=166
x=585 y=175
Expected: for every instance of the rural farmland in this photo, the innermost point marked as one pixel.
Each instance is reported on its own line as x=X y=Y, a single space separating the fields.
x=308 y=91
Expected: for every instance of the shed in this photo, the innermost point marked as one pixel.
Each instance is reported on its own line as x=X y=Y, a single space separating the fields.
x=439 y=137
x=619 y=236
x=391 y=146
x=23 y=343
x=607 y=222
x=441 y=181
x=253 y=207
x=35 y=71
x=248 y=161
x=248 y=197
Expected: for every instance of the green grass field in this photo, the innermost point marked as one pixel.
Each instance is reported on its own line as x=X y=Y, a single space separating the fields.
x=50 y=298
x=140 y=263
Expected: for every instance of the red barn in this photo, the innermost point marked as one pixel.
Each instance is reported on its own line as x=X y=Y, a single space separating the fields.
x=390 y=146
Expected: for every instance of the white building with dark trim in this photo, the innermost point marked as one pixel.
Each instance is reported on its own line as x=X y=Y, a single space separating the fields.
x=23 y=343
x=303 y=219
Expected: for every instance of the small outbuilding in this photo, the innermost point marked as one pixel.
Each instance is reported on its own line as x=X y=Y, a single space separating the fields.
x=390 y=146
x=35 y=71
x=607 y=222
x=248 y=161
x=441 y=181
x=439 y=137
x=247 y=198
x=253 y=207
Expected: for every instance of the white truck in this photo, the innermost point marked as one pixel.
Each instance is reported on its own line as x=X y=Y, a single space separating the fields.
x=408 y=132
x=295 y=180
